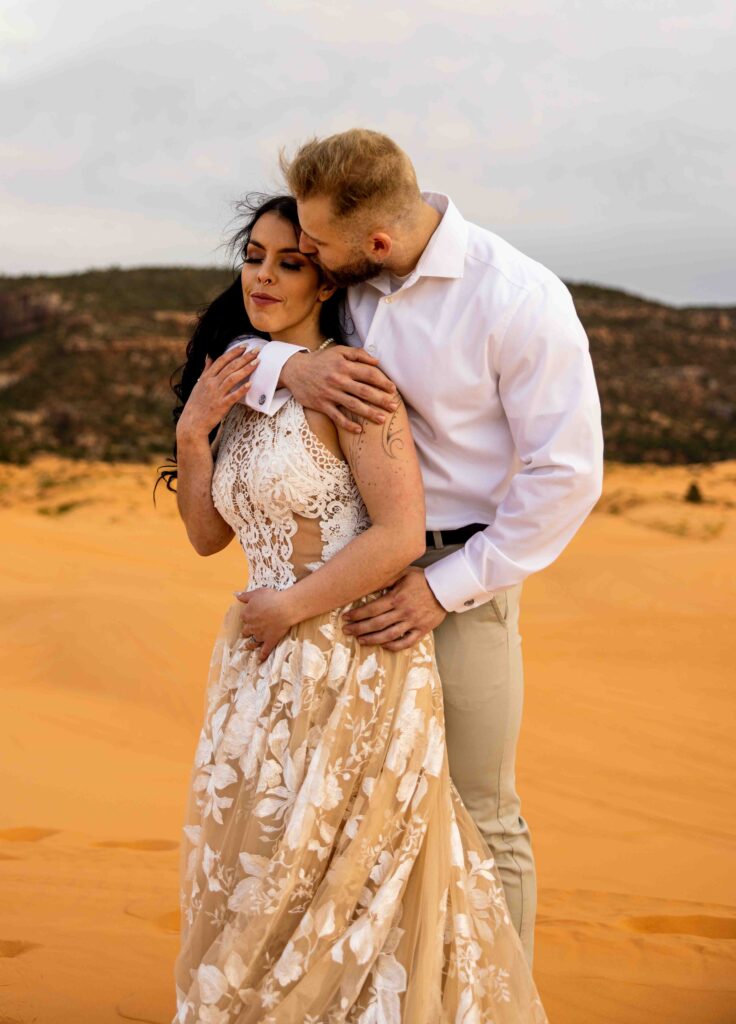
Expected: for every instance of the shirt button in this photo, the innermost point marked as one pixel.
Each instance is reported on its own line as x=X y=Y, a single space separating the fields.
x=469 y=604
x=262 y=400
x=388 y=298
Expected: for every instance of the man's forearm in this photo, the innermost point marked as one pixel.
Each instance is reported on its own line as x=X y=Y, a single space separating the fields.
x=526 y=536
x=291 y=369
x=337 y=382
x=268 y=392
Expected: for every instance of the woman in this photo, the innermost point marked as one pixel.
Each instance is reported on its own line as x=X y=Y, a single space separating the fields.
x=330 y=871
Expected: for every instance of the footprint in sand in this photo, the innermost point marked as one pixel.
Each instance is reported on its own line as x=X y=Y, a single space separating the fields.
x=157 y=911
x=148 y=1007
x=26 y=834
x=14 y=947
x=698 y=924
x=140 y=844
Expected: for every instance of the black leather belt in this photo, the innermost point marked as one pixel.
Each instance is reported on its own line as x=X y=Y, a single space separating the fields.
x=442 y=538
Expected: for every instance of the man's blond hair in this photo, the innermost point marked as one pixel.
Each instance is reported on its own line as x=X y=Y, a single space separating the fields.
x=357 y=170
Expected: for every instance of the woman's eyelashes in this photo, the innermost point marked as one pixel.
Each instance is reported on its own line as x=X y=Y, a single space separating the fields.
x=284 y=263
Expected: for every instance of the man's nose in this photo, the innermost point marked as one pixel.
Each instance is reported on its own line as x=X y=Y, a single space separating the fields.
x=305 y=245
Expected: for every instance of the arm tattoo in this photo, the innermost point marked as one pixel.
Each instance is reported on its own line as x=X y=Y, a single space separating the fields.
x=391 y=438
x=356 y=442
x=392 y=441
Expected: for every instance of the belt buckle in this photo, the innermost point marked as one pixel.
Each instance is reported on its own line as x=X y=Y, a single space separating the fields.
x=437 y=538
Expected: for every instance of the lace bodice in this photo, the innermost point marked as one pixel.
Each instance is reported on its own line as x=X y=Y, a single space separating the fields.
x=292 y=503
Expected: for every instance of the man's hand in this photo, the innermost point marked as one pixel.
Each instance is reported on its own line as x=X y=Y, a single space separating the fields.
x=400 y=617
x=340 y=378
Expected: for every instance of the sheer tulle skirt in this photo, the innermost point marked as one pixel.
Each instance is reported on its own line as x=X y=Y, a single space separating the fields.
x=329 y=870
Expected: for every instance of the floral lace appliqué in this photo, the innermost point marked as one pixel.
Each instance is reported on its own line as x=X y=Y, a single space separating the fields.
x=270 y=469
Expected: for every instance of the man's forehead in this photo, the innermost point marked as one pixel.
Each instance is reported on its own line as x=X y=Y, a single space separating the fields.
x=315 y=215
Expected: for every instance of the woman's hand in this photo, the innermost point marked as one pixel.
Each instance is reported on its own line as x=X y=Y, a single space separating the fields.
x=267 y=617
x=221 y=384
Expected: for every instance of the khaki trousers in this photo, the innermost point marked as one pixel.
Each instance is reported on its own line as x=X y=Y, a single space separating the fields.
x=479 y=660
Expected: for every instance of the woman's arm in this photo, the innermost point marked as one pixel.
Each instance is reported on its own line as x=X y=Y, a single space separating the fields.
x=207 y=530
x=220 y=385
x=385 y=467
x=384 y=464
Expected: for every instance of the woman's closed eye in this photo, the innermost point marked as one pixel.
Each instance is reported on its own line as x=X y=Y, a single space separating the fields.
x=284 y=263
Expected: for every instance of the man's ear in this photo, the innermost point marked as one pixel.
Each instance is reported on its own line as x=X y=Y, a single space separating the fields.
x=380 y=246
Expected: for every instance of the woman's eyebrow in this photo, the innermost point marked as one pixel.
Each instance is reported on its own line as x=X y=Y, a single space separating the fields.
x=259 y=246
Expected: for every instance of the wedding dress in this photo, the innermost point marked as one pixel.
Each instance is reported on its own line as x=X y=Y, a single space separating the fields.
x=329 y=869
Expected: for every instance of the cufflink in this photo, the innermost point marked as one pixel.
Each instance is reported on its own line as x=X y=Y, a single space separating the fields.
x=469 y=604
x=262 y=400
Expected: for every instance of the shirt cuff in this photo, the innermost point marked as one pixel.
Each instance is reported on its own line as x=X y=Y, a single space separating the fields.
x=454 y=583
x=264 y=395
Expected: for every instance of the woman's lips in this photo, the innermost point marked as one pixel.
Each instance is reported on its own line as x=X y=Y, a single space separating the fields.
x=263 y=300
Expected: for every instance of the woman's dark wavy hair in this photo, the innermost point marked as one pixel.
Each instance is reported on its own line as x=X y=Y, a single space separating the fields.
x=225 y=318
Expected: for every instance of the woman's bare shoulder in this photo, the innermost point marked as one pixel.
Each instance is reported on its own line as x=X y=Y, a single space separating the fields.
x=390 y=440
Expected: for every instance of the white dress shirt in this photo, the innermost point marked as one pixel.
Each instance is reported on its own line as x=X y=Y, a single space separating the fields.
x=486 y=348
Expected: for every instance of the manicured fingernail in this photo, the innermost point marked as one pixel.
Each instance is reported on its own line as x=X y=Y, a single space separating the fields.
x=381 y=419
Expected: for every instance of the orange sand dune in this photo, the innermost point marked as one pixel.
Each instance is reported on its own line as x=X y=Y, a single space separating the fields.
x=626 y=763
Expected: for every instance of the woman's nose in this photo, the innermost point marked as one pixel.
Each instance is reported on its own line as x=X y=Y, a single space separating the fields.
x=265 y=274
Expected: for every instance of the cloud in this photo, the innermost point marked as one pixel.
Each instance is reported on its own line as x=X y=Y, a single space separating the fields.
x=556 y=123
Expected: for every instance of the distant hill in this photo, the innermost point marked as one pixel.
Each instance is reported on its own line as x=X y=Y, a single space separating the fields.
x=85 y=363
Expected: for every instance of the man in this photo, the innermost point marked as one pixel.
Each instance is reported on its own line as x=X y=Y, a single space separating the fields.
x=492 y=361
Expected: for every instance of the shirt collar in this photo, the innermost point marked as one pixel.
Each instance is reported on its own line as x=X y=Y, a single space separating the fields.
x=444 y=253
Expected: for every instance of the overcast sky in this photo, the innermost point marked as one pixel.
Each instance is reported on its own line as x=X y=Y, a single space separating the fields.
x=595 y=136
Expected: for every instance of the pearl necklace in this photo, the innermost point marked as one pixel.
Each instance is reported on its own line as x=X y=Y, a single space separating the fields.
x=325 y=343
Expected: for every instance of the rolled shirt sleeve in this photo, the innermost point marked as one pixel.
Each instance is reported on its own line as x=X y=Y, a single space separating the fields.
x=547 y=387
x=264 y=394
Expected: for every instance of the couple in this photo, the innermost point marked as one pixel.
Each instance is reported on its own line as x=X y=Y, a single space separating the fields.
x=353 y=848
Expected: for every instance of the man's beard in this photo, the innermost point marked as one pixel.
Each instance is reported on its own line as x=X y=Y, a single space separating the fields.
x=359 y=269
